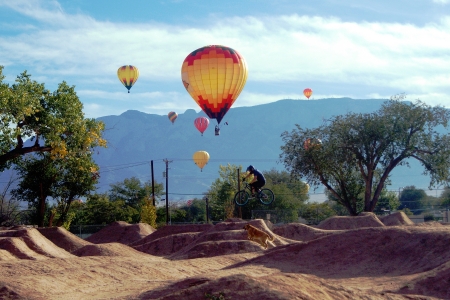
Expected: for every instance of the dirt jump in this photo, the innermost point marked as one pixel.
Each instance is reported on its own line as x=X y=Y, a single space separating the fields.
x=364 y=257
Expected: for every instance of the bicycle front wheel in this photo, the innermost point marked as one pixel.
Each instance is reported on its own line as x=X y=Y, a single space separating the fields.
x=241 y=198
x=266 y=196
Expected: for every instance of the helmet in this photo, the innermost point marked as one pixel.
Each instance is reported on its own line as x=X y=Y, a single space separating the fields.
x=250 y=168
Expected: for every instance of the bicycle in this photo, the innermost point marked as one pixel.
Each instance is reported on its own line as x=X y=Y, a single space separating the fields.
x=265 y=196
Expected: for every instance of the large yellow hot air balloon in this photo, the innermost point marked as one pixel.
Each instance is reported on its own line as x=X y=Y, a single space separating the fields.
x=201 y=158
x=128 y=75
x=214 y=76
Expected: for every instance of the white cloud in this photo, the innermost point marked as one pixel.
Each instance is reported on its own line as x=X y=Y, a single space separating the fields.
x=285 y=49
x=441 y=1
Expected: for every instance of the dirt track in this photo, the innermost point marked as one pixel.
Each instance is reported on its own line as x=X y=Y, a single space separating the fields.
x=342 y=258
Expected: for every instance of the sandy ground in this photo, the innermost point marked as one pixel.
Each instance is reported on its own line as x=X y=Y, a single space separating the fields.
x=362 y=257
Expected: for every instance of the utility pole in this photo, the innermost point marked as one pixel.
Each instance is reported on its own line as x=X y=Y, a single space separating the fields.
x=167 y=189
x=207 y=209
x=239 y=188
x=153 y=183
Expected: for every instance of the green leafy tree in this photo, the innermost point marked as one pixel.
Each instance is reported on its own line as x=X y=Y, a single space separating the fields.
x=222 y=190
x=9 y=206
x=38 y=179
x=413 y=199
x=358 y=152
x=445 y=197
x=59 y=134
x=100 y=210
x=148 y=213
x=61 y=179
x=134 y=193
x=54 y=122
x=388 y=201
x=314 y=213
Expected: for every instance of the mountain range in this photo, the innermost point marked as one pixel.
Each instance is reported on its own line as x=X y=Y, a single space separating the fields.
x=248 y=135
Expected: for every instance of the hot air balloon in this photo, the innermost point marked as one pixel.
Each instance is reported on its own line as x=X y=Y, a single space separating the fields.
x=313 y=143
x=307 y=92
x=201 y=123
x=172 y=116
x=214 y=76
x=201 y=158
x=128 y=75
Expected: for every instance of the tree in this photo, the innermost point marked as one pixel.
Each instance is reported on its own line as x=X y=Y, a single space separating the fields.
x=9 y=206
x=132 y=192
x=314 y=213
x=388 y=201
x=445 y=197
x=100 y=210
x=222 y=190
x=61 y=179
x=289 y=192
x=38 y=178
x=148 y=213
x=413 y=199
x=358 y=152
x=54 y=122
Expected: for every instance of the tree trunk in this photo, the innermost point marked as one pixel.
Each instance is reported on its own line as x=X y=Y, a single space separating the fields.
x=41 y=207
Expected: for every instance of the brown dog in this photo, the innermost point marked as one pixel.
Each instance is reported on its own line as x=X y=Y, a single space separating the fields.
x=257 y=235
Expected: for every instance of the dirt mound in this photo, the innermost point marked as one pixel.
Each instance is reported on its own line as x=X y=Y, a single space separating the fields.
x=121 y=232
x=167 y=245
x=434 y=283
x=396 y=219
x=30 y=239
x=108 y=249
x=429 y=224
x=227 y=238
x=351 y=222
x=268 y=287
x=5 y=255
x=170 y=230
x=17 y=248
x=301 y=232
x=9 y=294
x=382 y=251
x=63 y=238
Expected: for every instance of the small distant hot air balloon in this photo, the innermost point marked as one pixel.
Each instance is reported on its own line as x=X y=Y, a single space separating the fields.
x=214 y=76
x=307 y=187
x=307 y=92
x=128 y=75
x=201 y=158
x=313 y=143
x=172 y=116
x=201 y=123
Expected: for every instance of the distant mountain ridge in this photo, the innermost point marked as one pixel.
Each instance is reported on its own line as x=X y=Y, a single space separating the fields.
x=252 y=136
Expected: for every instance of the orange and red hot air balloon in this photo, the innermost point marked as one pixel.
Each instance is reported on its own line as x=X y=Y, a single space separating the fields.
x=214 y=76
x=128 y=75
x=307 y=92
x=201 y=123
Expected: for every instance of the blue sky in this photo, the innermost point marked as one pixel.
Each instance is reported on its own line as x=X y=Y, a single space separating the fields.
x=339 y=48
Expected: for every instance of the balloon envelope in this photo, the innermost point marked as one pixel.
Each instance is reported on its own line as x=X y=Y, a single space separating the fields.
x=172 y=116
x=313 y=143
x=201 y=123
x=201 y=158
x=214 y=76
x=128 y=75
x=307 y=92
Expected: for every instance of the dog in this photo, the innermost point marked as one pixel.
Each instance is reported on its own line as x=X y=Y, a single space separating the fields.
x=257 y=235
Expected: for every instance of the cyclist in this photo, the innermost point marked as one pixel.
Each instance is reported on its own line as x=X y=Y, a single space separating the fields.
x=258 y=179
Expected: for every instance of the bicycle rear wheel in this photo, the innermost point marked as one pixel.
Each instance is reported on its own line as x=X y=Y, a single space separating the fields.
x=266 y=196
x=241 y=198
